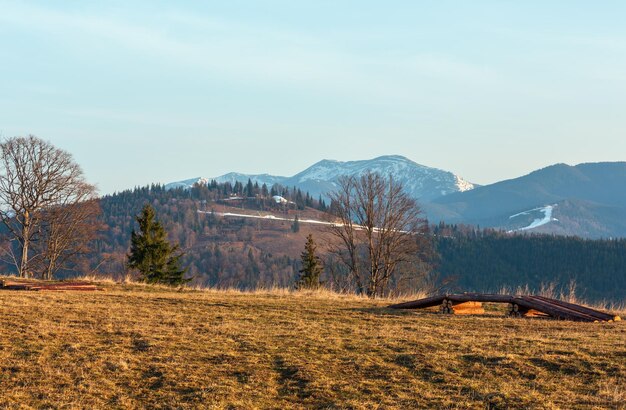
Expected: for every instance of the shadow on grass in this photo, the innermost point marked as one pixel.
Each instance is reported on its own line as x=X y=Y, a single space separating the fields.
x=154 y=377
x=385 y=311
x=294 y=382
x=291 y=379
x=418 y=367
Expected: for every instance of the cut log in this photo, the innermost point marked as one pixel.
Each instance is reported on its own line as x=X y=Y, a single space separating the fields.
x=467 y=305
x=583 y=309
x=476 y=311
x=480 y=297
x=528 y=306
x=446 y=307
x=514 y=310
x=556 y=311
x=33 y=285
x=420 y=304
x=535 y=313
x=64 y=288
x=468 y=308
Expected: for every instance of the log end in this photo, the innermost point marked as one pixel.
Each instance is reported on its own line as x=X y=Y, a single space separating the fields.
x=468 y=308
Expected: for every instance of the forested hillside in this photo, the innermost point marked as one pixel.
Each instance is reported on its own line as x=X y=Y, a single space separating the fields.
x=219 y=251
x=248 y=253
x=488 y=260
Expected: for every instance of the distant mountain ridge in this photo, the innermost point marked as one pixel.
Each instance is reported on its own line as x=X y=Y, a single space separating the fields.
x=587 y=200
x=422 y=182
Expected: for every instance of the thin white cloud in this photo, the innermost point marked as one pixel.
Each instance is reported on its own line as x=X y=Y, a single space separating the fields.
x=255 y=55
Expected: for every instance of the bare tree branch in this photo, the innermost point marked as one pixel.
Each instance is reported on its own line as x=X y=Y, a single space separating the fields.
x=380 y=231
x=45 y=204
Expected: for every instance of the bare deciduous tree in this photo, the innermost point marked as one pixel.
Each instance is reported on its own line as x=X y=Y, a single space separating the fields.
x=67 y=231
x=380 y=231
x=44 y=201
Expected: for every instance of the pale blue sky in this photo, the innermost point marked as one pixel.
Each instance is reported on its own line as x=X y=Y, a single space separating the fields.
x=162 y=91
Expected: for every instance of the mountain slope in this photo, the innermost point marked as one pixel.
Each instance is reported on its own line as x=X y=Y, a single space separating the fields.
x=590 y=201
x=422 y=182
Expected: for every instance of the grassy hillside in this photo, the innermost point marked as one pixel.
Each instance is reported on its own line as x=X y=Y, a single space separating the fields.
x=136 y=347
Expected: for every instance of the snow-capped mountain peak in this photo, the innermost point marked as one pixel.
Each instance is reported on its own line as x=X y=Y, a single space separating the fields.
x=188 y=183
x=422 y=182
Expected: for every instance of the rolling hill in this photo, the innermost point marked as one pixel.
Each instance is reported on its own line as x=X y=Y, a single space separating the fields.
x=587 y=200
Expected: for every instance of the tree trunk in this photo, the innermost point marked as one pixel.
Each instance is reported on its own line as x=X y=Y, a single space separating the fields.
x=23 y=268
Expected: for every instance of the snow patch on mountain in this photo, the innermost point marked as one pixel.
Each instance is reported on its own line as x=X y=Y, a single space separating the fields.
x=463 y=185
x=547 y=217
x=188 y=183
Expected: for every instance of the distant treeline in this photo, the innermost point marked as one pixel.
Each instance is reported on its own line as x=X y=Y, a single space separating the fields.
x=213 y=191
x=224 y=251
x=488 y=260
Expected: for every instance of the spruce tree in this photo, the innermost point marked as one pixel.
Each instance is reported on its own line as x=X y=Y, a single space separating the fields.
x=311 y=266
x=249 y=188
x=151 y=254
x=295 y=226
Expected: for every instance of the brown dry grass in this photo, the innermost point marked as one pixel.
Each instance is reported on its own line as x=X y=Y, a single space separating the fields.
x=149 y=347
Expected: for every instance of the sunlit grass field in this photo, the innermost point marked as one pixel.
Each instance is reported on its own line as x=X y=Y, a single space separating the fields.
x=133 y=346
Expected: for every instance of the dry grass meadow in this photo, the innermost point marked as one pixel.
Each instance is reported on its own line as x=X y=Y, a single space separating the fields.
x=134 y=346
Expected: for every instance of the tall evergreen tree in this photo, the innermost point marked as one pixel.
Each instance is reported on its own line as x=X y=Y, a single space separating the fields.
x=249 y=188
x=311 y=266
x=152 y=255
x=295 y=226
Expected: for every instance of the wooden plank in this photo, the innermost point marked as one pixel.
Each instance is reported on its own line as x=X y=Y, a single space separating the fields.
x=8 y=283
x=459 y=298
x=480 y=297
x=563 y=309
x=34 y=285
x=556 y=311
x=583 y=309
x=421 y=303
x=524 y=305
x=67 y=289
x=16 y=287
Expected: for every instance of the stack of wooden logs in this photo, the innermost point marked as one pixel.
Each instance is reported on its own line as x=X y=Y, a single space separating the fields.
x=35 y=285
x=464 y=308
x=519 y=306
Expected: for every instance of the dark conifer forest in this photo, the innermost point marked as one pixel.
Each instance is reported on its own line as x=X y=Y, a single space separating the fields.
x=487 y=260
